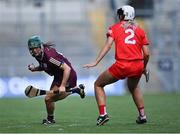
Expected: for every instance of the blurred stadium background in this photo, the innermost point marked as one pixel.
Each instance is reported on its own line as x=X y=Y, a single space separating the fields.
x=78 y=28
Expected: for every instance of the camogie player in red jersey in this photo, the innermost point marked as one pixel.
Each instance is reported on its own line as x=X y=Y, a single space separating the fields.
x=131 y=55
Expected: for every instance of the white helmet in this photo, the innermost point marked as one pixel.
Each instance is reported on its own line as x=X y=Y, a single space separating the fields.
x=127 y=11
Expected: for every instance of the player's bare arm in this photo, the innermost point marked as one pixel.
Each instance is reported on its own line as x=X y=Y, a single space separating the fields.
x=66 y=75
x=146 y=55
x=102 y=53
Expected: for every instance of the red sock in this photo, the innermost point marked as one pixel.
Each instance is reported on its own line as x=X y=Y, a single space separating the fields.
x=102 y=110
x=141 y=111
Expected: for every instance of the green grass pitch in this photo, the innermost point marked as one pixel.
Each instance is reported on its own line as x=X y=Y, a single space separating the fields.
x=74 y=115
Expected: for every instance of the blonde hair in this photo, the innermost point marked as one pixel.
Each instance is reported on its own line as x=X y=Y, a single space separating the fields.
x=129 y=23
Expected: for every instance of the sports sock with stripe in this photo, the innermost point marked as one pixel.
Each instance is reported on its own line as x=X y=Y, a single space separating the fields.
x=102 y=110
x=141 y=111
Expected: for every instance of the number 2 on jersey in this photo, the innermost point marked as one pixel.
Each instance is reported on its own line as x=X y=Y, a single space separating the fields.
x=129 y=39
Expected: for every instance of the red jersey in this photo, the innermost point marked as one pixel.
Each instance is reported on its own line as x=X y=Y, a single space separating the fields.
x=129 y=40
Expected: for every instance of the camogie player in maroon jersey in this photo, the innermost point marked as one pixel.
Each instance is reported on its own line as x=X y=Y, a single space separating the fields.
x=131 y=55
x=54 y=64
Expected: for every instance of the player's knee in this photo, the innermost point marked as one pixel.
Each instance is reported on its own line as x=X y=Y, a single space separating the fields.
x=47 y=99
x=98 y=84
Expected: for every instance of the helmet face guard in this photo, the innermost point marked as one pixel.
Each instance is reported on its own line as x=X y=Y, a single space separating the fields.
x=34 y=42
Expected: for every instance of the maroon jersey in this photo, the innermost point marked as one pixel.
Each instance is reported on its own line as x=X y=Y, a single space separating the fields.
x=51 y=62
